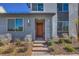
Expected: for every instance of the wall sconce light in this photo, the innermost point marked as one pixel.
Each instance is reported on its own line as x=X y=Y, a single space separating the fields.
x=28 y=21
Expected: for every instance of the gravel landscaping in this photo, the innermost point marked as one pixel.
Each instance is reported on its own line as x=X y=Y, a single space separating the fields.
x=17 y=48
x=64 y=47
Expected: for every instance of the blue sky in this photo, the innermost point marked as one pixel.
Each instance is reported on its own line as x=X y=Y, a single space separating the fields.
x=15 y=7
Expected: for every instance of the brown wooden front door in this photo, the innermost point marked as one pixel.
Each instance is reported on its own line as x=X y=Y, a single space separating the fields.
x=39 y=29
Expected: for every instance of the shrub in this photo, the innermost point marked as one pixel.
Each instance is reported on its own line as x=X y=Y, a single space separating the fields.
x=18 y=43
x=29 y=49
x=61 y=41
x=50 y=43
x=51 y=48
x=1 y=43
x=65 y=41
x=68 y=41
x=21 y=49
x=1 y=50
x=69 y=48
x=8 y=50
x=77 y=48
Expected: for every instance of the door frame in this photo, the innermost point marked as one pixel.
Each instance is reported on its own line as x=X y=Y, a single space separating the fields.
x=43 y=20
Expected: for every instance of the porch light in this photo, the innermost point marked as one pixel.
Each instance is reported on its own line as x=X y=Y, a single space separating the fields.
x=28 y=21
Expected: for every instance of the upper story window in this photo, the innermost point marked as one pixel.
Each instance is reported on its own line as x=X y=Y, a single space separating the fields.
x=28 y=4
x=62 y=7
x=15 y=24
x=37 y=7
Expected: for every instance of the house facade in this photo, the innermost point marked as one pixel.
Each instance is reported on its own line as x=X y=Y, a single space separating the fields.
x=42 y=21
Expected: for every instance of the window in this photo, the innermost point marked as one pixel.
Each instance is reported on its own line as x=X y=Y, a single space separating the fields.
x=65 y=26
x=15 y=25
x=62 y=23
x=19 y=25
x=11 y=25
x=63 y=19
x=37 y=6
x=40 y=7
x=59 y=7
x=28 y=4
x=59 y=26
x=62 y=7
x=65 y=7
x=62 y=27
x=63 y=16
x=34 y=6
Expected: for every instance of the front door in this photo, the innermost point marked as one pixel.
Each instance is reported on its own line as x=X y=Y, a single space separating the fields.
x=39 y=30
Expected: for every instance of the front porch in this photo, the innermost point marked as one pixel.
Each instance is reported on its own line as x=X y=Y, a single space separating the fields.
x=38 y=25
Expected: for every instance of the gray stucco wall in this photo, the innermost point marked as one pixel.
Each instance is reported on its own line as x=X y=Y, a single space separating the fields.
x=48 y=7
x=73 y=15
x=3 y=26
x=28 y=29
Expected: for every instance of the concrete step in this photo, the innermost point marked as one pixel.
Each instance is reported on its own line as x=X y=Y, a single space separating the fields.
x=39 y=49
x=38 y=45
x=39 y=42
x=40 y=54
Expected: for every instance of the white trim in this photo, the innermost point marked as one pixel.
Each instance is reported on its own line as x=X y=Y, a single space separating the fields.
x=15 y=18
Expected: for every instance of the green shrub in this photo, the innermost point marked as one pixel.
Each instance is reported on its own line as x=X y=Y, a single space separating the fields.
x=51 y=48
x=1 y=50
x=1 y=43
x=50 y=43
x=21 y=49
x=68 y=41
x=61 y=41
x=8 y=50
x=69 y=48
x=18 y=43
x=76 y=47
x=65 y=41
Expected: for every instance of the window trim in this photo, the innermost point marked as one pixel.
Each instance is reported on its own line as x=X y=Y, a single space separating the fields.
x=15 y=26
